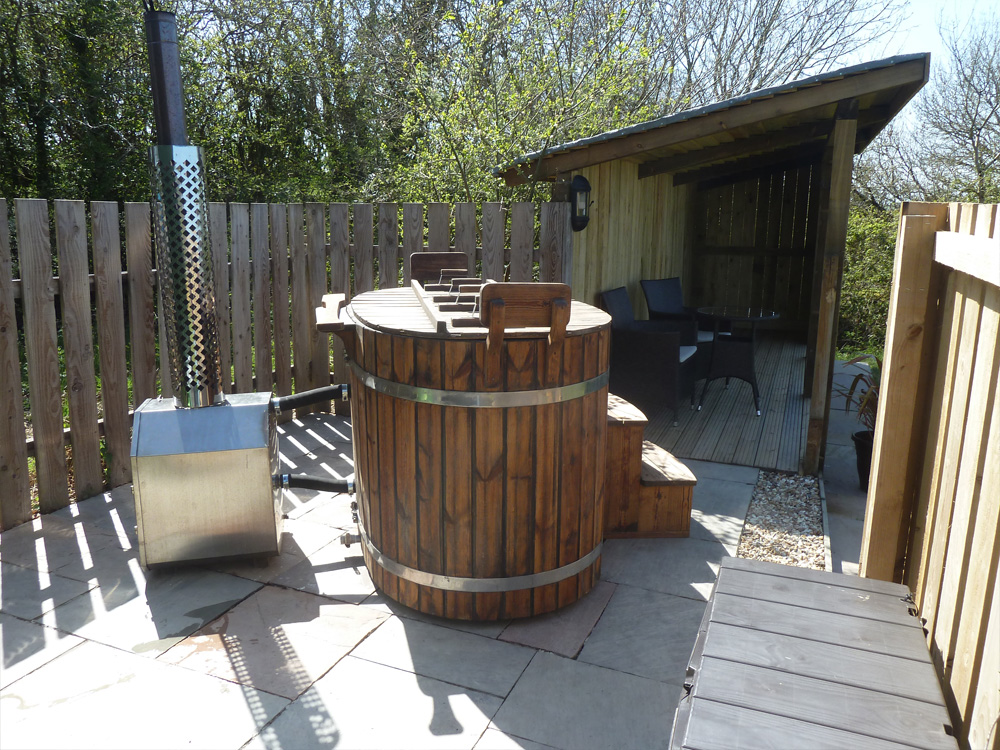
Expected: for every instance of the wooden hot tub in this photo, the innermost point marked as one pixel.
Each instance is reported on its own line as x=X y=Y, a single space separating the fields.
x=478 y=445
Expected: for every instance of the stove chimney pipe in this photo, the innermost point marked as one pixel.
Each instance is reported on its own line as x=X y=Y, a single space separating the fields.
x=180 y=215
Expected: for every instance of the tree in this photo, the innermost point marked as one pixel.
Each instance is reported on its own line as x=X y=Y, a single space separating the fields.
x=718 y=50
x=960 y=117
x=71 y=124
x=950 y=150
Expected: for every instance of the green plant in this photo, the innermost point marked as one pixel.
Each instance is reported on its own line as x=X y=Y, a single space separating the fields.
x=863 y=391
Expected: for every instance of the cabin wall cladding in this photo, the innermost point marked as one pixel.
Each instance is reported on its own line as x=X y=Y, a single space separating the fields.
x=753 y=244
x=79 y=281
x=636 y=231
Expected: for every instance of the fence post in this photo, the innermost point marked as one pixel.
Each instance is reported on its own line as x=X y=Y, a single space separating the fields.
x=903 y=411
x=15 y=497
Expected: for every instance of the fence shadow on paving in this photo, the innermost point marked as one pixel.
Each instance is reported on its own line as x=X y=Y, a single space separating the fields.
x=91 y=336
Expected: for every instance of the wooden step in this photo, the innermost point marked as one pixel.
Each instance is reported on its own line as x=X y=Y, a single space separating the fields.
x=647 y=492
x=659 y=467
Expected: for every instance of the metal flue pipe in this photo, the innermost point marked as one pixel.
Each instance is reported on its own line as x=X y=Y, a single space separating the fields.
x=165 y=78
x=180 y=214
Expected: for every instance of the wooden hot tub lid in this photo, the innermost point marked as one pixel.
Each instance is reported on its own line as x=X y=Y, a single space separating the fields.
x=400 y=311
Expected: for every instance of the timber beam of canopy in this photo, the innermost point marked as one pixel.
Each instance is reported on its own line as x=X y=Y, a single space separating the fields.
x=733 y=170
x=762 y=123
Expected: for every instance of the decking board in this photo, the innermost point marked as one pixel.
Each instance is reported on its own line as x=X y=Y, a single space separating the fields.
x=727 y=430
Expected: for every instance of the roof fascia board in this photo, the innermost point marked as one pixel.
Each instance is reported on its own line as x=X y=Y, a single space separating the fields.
x=910 y=72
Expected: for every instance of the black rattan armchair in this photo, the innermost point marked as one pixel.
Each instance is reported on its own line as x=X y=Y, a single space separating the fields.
x=665 y=301
x=653 y=362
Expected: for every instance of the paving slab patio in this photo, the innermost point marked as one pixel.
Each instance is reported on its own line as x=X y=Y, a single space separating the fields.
x=304 y=652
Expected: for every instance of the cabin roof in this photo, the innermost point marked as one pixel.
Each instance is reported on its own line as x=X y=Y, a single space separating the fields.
x=777 y=126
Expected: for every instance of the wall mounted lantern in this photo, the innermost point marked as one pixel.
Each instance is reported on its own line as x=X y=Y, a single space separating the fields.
x=579 y=201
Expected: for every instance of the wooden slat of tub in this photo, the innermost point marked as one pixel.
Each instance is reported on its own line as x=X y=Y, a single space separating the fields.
x=141 y=311
x=549 y=443
x=78 y=341
x=219 y=237
x=521 y=373
x=458 y=541
x=38 y=297
x=404 y=415
x=571 y=468
x=262 y=274
x=384 y=463
x=595 y=413
x=369 y=436
x=427 y=373
x=242 y=341
x=488 y=494
x=603 y=362
x=358 y=404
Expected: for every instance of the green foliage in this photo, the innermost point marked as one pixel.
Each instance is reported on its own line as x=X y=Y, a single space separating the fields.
x=512 y=77
x=864 y=302
x=863 y=392
x=72 y=102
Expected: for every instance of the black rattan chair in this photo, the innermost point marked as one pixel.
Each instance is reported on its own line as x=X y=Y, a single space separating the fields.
x=665 y=301
x=653 y=362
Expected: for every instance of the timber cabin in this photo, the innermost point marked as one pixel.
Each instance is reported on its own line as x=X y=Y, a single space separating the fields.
x=746 y=200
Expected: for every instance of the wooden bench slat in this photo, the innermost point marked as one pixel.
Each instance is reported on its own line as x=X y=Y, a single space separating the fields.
x=720 y=726
x=824 y=597
x=844 y=665
x=826 y=627
x=816 y=576
x=877 y=714
x=620 y=410
x=787 y=657
x=660 y=467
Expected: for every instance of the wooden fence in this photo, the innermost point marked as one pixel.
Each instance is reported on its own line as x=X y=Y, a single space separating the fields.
x=756 y=244
x=934 y=497
x=272 y=264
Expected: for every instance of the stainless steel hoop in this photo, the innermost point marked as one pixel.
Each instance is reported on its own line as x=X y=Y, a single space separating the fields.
x=479 y=399
x=478 y=585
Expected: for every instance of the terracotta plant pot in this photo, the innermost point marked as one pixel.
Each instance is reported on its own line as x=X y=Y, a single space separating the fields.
x=863 y=443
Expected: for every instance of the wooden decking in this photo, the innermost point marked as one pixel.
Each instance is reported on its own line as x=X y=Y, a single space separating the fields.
x=727 y=430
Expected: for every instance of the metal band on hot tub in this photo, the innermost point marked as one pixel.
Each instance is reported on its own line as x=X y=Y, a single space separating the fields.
x=478 y=585
x=479 y=399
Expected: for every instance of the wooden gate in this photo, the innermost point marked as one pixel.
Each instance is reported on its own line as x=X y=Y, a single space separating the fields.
x=934 y=496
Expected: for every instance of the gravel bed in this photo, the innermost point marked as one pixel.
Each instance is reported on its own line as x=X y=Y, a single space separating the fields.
x=785 y=522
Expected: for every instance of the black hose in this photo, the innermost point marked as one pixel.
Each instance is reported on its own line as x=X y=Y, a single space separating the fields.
x=306 y=398
x=323 y=484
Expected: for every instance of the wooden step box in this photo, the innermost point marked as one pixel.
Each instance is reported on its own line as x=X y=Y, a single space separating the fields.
x=647 y=492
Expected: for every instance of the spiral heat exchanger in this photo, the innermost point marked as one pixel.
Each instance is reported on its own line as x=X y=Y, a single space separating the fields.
x=184 y=263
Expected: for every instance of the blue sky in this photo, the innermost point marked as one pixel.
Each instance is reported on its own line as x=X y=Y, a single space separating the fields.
x=919 y=32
